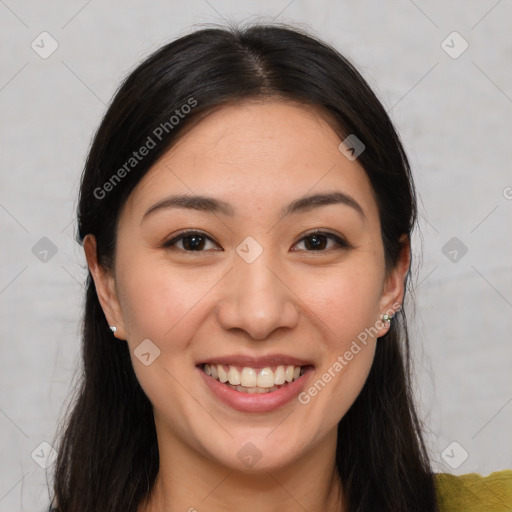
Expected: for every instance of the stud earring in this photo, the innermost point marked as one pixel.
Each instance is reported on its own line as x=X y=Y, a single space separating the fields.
x=387 y=318
x=113 y=328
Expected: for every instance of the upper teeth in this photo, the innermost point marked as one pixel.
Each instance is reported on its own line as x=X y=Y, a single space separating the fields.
x=249 y=377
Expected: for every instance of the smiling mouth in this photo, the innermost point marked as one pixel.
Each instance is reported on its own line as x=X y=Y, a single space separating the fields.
x=254 y=381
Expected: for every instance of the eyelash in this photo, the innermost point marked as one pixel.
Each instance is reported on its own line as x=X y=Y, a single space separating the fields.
x=342 y=243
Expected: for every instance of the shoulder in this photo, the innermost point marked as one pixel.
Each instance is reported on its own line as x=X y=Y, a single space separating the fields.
x=473 y=492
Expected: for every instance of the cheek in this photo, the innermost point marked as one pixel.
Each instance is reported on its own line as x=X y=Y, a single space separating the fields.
x=161 y=305
x=158 y=303
x=345 y=299
x=347 y=302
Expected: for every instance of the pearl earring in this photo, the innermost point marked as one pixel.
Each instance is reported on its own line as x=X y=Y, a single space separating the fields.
x=113 y=328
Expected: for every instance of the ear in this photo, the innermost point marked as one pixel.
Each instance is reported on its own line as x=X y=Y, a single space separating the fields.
x=105 y=287
x=394 y=286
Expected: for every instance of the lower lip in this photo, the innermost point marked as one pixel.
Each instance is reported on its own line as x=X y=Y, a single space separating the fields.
x=257 y=402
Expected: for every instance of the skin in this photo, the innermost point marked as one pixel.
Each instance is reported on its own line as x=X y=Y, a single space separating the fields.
x=259 y=156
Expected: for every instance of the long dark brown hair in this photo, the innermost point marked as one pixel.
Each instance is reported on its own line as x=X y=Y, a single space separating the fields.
x=107 y=446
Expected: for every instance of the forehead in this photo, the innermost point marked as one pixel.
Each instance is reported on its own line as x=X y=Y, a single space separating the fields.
x=258 y=154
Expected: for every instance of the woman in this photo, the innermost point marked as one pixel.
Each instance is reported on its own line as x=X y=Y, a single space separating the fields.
x=246 y=211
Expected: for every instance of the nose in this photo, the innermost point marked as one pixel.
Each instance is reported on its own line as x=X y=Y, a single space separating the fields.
x=257 y=299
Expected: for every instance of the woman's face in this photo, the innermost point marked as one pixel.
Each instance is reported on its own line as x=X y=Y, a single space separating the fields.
x=283 y=267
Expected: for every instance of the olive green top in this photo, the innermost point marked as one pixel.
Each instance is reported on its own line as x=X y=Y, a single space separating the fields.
x=473 y=492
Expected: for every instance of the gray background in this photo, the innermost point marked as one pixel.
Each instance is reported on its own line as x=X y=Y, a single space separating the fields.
x=453 y=115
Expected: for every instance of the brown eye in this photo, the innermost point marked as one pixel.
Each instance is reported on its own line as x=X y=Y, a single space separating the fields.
x=190 y=241
x=193 y=242
x=320 y=241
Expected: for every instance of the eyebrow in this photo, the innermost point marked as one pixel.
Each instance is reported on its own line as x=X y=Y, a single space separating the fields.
x=213 y=205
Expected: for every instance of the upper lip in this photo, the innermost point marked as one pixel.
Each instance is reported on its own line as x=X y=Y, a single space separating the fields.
x=257 y=362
